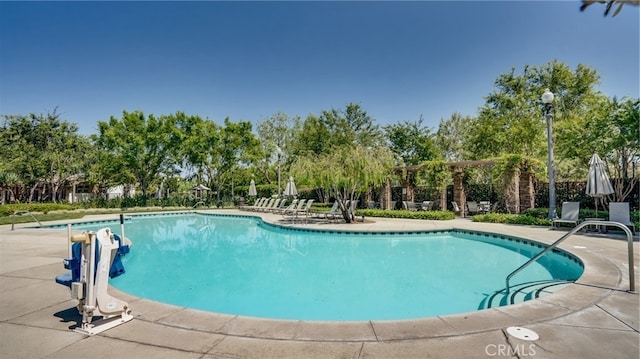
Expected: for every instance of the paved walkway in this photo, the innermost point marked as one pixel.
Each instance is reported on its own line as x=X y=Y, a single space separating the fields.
x=595 y=318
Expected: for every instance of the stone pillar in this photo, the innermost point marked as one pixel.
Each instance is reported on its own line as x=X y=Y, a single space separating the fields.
x=512 y=192
x=459 y=196
x=411 y=187
x=527 y=199
x=385 y=199
x=410 y=191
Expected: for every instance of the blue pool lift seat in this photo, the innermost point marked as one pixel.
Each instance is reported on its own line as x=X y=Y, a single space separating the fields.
x=73 y=264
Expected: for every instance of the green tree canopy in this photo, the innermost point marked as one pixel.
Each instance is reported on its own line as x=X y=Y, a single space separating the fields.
x=212 y=153
x=345 y=172
x=512 y=120
x=411 y=142
x=276 y=135
x=611 y=129
x=452 y=135
x=139 y=148
x=42 y=151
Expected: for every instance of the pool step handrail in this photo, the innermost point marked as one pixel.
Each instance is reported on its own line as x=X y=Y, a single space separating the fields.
x=13 y=222
x=632 y=285
x=198 y=203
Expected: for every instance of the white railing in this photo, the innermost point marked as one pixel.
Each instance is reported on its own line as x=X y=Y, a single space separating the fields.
x=632 y=285
x=13 y=221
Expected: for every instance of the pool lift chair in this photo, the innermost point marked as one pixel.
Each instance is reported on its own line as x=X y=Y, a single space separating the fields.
x=96 y=257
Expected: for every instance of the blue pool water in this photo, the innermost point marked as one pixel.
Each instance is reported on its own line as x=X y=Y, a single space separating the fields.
x=240 y=265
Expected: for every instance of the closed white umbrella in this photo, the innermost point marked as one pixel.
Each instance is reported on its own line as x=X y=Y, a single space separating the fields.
x=290 y=190
x=598 y=183
x=252 y=189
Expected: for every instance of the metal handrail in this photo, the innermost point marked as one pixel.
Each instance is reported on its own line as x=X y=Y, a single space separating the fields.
x=13 y=222
x=576 y=229
x=198 y=203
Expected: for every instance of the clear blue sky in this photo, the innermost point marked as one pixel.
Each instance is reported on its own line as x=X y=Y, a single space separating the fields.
x=248 y=60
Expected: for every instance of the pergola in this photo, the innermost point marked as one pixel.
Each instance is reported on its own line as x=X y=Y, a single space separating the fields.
x=519 y=194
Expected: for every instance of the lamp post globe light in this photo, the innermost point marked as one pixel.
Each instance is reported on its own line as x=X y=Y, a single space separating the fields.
x=547 y=100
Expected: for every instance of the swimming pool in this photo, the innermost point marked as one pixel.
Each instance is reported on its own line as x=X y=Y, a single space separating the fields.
x=241 y=265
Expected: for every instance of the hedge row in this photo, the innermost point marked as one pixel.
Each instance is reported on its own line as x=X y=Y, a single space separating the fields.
x=432 y=215
x=511 y=219
x=9 y=209
x=538 y=217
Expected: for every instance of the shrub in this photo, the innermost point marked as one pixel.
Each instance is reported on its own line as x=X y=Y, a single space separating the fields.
x=541 y=213
x=9 y=209
x=525 y=219
x=431 y=215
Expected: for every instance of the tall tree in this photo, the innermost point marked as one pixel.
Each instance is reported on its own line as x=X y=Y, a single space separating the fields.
x=610 y=129
x=276 y=135
x=236 y=147
x=199 y=142
x=311 y=136
x=512 y=122
x=345 y=172
x=211 y=153
x=140 y=147
x=452 y=135
x=411 y=142
x=351 y=126
x=43 y=151
x=334 y=128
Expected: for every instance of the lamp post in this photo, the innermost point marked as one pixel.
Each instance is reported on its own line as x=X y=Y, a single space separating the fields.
x=547 y=100
x=278 y=152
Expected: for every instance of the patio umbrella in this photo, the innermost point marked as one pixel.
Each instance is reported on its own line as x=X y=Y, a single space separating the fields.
x=598 y=183
x=252 y=189
x=290 y=189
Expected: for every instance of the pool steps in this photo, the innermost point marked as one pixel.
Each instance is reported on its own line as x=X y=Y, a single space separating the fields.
x=522 y=292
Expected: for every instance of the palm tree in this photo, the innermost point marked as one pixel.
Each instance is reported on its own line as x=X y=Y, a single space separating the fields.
x=7 y=181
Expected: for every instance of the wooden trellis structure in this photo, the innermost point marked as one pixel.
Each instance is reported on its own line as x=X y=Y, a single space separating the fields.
x=519 y=186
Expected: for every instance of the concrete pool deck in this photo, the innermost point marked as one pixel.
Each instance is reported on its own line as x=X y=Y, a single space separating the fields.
x=597 y=317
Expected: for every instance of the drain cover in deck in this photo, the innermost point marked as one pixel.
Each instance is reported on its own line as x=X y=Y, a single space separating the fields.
x=523 y=333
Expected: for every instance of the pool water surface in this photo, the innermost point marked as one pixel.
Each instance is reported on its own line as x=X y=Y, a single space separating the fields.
x=243 y=266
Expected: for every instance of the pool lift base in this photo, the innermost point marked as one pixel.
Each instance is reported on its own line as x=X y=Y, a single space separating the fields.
x=91 y=290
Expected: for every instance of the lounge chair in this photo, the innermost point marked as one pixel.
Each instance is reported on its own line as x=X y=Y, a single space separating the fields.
x=353 y=205
x=291 y=210
x=271 y=206
x=306 y=210
x=290 y=207
x=246 y=205
x=473 y=208
x=280 y=207
x=570 y=212
x=333 y=212
x=494 y=207
x=427 y=205
x=484 y=206
x=619 y=212
x=303 y=209
x=409 y=206
x=265 y=204
x=258 y=203
x=456 y=208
